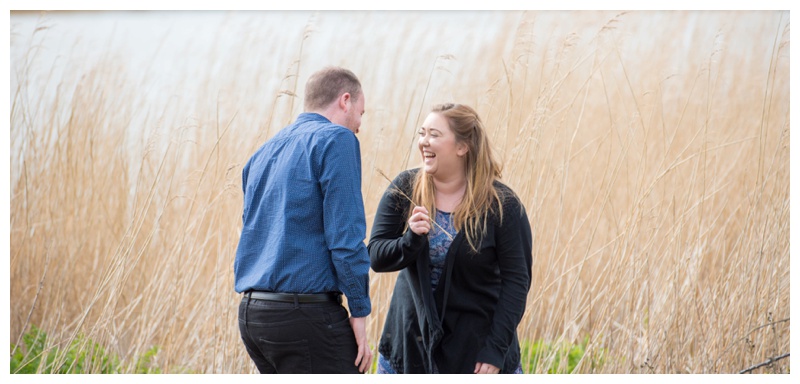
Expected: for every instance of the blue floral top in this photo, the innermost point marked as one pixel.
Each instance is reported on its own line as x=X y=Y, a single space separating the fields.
x=439 y=240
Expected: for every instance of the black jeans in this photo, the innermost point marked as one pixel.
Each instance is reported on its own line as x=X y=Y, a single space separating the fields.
x=298 y=338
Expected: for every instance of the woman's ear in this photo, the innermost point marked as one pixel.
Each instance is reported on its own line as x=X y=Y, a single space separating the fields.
x=462 y=149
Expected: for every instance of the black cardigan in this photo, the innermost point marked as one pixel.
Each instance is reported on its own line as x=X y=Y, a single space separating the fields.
x=481 y=297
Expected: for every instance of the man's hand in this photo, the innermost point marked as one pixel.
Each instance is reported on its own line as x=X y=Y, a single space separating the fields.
x=364 y=358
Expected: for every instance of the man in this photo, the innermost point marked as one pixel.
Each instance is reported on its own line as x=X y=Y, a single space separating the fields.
x=302 y=242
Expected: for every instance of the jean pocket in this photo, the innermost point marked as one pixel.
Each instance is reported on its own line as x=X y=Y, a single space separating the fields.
x=335 y=315
x=287 y=356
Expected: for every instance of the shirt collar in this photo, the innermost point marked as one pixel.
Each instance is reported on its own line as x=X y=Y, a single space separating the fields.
x=312 y=116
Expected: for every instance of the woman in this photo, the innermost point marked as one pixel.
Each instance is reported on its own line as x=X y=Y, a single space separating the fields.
x=464 y=271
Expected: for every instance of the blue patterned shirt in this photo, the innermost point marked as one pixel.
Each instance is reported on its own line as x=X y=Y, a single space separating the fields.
x=439 y=242
x=303 y=221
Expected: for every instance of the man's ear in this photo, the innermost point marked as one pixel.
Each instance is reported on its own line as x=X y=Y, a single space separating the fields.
x=344 y=101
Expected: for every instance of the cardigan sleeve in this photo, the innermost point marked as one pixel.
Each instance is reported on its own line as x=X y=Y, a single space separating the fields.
x=390 y=248
x=514 y=245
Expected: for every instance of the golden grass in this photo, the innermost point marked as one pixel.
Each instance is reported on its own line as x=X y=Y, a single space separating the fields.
x=654 y=168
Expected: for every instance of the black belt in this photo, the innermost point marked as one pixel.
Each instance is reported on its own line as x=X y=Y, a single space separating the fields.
x=304 y=298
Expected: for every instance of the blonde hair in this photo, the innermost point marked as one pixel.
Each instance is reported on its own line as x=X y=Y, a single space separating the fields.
x=482 y=170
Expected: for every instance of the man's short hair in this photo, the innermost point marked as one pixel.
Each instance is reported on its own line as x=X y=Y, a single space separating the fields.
x=327 y=84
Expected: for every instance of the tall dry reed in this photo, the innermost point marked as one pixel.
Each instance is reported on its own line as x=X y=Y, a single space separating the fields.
x=653 y=162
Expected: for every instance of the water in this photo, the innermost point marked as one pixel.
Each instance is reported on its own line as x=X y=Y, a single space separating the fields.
x=192 y=66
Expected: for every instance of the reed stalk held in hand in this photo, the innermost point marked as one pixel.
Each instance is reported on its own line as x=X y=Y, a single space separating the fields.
x=397 y=189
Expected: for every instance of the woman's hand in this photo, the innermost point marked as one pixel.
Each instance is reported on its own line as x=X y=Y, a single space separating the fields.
x=419 y=222
x=486 y=368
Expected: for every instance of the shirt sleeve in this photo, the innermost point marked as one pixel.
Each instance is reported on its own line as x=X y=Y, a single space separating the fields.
x=245 y=172
x=343 y=217
x=389 y=248
x=514 y=246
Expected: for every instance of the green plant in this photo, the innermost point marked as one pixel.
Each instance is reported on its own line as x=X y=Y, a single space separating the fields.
x=37 y=355
x=145 y=363
x=34 y=345
x=82 y=356
x=560 y=357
